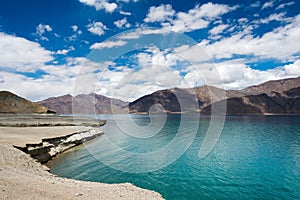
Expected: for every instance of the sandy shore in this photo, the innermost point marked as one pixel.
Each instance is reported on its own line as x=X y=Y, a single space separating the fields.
x=21 y=177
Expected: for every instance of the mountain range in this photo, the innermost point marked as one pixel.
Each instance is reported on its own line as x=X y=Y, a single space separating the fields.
x=272 y=97
x=84 y=104
x=13 y=104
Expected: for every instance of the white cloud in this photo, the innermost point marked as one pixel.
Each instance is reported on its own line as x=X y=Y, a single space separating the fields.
x=276 y=17
x=21 y=54
x=76 y=31
x=268 y=4
x=237 y=75
x=62 y=52
x=194 y=54
x=101 y=4
x=97 y=28
x=41 y=29
x=293 y=69
x=74 y=28
x=125 y=13
x=137 y=33
x=160 y=13
x=218 y=29
x=268 y=45
x=43 y=87
x=197 y=18
x=283 y=5
x=65 y=51
x=78 y=75
x=57 y=35
x=108 y=44
x=129 y=84
x=154 y=68
x=122 y=23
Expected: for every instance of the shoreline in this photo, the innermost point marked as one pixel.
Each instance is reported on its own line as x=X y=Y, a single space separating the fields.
x=22 y=177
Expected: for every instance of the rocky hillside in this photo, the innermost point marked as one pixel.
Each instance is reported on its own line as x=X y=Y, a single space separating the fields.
x=287 y=102
x=169 y=100
x=269 y=87
x=84 y=104
x=271 y=97
x=11 y=103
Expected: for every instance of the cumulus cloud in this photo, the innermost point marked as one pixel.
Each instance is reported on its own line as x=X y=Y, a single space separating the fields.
x=43 y=87
x=76 y=33
x=218 y=29
x=57 y=79
x=122 y=23
x=108 y=44
x=197 y=18
x=160 y=13
x=21 y=54
x=101 y=4
x=74 y=28
x=65 y=51
x=276 y=17
x=41 y=29
x=97 y=28
x=237 y=75
x=266 y=46
x=292 y=69
x=129 y=84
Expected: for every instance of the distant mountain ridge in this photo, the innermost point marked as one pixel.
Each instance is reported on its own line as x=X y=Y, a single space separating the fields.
x=287 y=102
x=272 y=97
x=268 y=87
x=13 y=104
x=83 y=104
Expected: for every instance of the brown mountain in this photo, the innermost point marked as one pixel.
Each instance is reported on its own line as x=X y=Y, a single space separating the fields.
x=287 y=102
x=84 y=104
x=169 y=101
x=269 y=87
x=11 y=103
x=278 y=96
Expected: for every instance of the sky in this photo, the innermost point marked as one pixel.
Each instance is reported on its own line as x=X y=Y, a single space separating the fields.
x=129 y=48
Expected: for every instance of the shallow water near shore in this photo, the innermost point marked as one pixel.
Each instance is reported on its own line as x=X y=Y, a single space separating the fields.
x=256 y=157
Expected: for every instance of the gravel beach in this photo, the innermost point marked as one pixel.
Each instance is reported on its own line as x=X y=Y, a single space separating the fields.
x=21 y=177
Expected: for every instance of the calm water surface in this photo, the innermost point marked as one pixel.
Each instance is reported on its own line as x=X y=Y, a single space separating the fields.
x=254 y=158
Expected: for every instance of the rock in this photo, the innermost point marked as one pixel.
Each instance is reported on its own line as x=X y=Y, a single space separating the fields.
x=50 y=147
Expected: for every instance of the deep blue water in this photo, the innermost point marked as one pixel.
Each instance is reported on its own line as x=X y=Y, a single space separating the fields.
x=256 y=157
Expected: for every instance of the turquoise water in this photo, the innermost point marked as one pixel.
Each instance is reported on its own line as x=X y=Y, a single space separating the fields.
x=254 y=158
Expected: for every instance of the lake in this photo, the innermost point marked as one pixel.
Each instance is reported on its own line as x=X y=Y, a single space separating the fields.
x=255 y=157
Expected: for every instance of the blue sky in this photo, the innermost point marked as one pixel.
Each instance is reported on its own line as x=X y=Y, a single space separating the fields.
x=129 y=48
